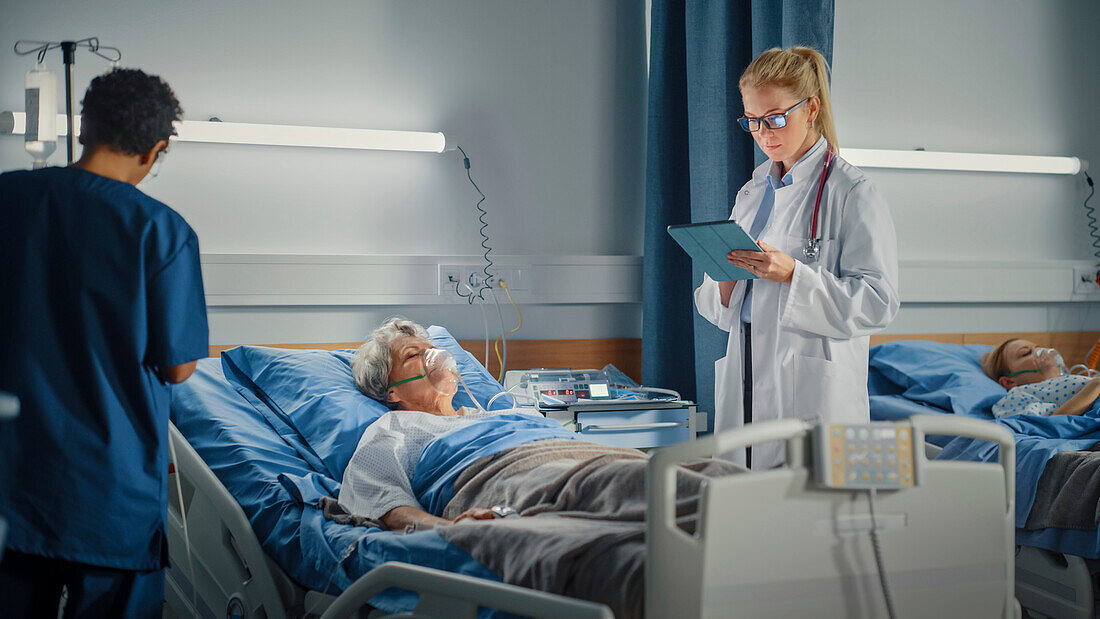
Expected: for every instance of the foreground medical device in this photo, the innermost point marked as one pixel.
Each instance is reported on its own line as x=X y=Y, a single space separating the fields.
x=801 y=542
x=871 y=455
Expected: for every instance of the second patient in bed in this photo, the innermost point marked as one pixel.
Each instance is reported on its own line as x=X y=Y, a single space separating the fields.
x=1036 y=383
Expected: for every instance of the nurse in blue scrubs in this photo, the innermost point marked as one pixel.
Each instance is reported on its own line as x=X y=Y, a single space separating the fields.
x=101 y=307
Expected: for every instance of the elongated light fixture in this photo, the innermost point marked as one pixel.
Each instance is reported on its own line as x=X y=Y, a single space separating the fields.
x=15 y=123
x=968 y=162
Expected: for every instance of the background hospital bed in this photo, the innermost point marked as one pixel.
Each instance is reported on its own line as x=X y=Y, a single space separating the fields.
x=1052 y=577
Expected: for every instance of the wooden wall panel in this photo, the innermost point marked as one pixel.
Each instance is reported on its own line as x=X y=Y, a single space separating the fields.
x=946 y=338
x=1074 y=346
x=626 y=353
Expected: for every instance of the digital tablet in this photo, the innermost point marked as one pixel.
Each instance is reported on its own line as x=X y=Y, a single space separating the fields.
x=708 y=243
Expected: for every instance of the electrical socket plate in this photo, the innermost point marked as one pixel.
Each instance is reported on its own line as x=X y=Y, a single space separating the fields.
x=1084 y=280
x=518 y=278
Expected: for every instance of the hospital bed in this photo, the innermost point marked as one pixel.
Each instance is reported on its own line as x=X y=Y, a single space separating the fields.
x=1056 y=569
x=246 y=537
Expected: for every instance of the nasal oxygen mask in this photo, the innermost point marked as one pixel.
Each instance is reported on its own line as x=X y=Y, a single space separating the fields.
x=1047 y=357
x=439 y=367
x=1044 y=358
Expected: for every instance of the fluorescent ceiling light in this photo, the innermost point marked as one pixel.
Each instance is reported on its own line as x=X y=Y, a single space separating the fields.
x=968 y=162
x=272 y=135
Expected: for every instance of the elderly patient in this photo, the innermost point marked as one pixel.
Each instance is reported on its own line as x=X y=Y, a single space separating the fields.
x=427 y=464
x=400 y=367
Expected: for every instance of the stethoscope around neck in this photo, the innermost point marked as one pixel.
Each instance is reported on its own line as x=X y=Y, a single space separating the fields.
x=812 y=250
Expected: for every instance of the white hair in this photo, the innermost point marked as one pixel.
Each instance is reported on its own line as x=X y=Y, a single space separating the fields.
x=371 y=363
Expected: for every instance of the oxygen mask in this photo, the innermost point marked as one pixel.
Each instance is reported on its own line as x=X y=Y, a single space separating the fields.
x=438 y=366
x=1049 y=357
x=1044 y=358
x=440 y=369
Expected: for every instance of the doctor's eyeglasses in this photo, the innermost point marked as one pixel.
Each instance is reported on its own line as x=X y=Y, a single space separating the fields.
x=772 y=121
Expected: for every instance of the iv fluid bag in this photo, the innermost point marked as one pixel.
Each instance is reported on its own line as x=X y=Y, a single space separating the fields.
x=40 y=139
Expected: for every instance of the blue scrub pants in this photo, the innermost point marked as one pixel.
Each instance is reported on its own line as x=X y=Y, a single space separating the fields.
x=30 y=586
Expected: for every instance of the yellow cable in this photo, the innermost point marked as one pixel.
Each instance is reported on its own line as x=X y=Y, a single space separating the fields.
x=496 y=343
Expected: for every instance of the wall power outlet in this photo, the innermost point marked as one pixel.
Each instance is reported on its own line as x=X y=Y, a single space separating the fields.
x=517 y=278
x=1086 y=280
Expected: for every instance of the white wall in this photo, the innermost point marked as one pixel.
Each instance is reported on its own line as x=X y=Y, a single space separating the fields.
x=546 y=96
x=987 y=76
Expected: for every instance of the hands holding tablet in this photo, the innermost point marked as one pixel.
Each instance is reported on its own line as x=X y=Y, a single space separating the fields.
x=771 y=264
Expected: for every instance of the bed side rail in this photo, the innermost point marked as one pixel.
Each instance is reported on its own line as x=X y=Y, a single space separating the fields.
x=443 y=594
x=954 y=425
x=230 y=568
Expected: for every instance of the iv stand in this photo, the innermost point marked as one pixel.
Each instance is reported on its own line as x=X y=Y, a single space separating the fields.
x=68 y=57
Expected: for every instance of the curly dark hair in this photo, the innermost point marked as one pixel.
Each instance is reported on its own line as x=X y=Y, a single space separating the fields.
x=129 y=110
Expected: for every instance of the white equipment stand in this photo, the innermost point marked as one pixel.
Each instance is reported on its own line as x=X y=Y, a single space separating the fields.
x=778 y=544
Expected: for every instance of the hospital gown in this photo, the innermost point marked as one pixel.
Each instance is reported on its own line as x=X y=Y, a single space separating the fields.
x=379 y=475
x=1041 y=398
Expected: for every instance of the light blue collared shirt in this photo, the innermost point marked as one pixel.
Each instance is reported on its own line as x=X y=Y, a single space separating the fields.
x=763 y=216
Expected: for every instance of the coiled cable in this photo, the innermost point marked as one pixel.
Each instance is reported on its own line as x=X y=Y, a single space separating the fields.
x=1090 y=212
x=482 y=214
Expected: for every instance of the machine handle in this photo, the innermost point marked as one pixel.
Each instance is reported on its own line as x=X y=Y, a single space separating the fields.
x=637 y=426
x=954 y=425
x=661 y=488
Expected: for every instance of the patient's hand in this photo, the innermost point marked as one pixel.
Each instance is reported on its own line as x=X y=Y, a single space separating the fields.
x=477 y=513
x=1081 y=402
x=402 y=516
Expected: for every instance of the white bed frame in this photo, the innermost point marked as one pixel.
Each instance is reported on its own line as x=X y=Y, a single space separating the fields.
x=1048 y=583
x=700 y=575
x=951 y=560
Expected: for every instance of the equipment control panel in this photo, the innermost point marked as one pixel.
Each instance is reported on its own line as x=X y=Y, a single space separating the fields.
x=569 y=392
x=870 y=455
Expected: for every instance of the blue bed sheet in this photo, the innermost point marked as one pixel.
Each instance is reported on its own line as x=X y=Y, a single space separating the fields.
x=278 y=490
x=920 y=377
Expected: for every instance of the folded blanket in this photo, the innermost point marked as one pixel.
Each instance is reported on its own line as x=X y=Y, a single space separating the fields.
x=1068 y=495
x=583 y=530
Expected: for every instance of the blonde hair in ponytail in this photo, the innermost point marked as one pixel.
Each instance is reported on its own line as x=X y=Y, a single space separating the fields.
x=801 y=70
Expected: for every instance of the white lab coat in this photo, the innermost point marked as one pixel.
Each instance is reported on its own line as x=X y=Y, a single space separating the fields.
x=810 y=337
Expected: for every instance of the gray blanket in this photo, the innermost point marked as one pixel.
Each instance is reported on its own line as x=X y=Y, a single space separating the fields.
x=1068 y=494
x=582 y=533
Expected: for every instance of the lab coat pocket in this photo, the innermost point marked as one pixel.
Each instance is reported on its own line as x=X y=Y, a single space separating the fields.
x=824 y=391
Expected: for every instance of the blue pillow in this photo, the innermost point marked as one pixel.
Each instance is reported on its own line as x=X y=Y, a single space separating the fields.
x=948 y=376
x=310 y=398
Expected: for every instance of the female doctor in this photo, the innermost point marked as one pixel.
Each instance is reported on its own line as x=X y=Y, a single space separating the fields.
x=827 y=278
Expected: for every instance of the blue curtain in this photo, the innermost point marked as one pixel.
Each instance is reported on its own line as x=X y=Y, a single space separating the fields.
x=697 y=158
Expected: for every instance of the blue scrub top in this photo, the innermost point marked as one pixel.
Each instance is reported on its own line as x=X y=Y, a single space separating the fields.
x=99 y=284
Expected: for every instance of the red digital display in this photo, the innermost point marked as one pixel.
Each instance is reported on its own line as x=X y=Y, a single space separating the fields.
x=568 y=392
